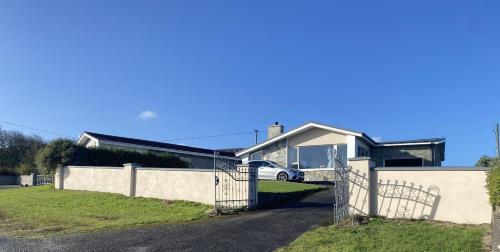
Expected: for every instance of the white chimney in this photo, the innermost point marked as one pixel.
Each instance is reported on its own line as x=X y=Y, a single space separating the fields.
x=274 y=130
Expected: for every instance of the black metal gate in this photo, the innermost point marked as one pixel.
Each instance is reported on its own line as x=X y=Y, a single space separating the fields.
x=341 y=190
x=235 y=185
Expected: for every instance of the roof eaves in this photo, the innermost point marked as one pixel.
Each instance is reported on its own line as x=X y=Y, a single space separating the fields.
x=415 y=141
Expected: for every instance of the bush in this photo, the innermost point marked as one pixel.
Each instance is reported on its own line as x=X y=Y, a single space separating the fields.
x=59 y=151
x=66 y=152
x=26 y=169
x=493 y=182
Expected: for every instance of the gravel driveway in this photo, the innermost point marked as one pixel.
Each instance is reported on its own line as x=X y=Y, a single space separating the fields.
x=256 y=231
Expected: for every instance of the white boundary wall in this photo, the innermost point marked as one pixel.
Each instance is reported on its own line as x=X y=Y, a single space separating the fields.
x=197 y=185
x=176 y=184
x=453 y=194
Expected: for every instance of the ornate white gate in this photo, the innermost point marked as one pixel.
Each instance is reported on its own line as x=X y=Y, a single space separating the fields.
x=235 y=185
x=341 y=190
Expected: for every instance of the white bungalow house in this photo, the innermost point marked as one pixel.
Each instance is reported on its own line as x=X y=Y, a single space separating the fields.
x=313 y=146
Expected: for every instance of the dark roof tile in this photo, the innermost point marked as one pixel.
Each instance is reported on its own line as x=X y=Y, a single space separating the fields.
x=155 y=144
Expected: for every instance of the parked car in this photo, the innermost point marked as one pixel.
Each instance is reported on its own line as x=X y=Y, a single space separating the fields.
x=272 y=171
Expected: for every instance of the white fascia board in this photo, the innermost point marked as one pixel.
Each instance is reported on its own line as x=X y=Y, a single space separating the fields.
x=296 y=131
x=85 y=135
x=163 y=149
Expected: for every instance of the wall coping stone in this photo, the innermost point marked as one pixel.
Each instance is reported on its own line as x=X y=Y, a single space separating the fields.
x=432 y=168
x=175 y=169
x=95 y=167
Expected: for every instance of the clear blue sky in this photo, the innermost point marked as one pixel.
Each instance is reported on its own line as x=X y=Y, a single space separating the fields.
x=393 y=69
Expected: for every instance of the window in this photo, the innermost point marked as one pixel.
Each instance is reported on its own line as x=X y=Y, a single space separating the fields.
x=362 y=152
x=256 y=156
x=293 y=158
x=316 y=157
x=404 y=162
x=341 y=153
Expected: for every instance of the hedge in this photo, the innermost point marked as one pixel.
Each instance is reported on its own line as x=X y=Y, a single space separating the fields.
x=493 y=183
x=107 y=157
x=66 y=152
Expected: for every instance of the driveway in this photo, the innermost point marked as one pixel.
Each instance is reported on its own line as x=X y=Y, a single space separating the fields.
x=255 y=231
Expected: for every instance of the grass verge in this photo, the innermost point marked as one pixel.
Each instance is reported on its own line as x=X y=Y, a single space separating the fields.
x=285 y=187
x=392 y=235
x=42 y=210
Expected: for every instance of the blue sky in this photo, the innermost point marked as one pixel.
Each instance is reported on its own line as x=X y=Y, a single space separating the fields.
x=393 y=69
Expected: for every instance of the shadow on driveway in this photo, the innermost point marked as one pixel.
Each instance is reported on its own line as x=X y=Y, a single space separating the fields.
x=264 y=230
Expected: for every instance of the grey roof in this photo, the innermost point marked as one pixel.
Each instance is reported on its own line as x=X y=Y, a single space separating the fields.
x=149 y=143
x=422 y=140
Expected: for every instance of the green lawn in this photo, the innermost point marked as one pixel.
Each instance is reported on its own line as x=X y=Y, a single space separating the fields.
x=41 y=210
x=285 y=187
x=392 y=235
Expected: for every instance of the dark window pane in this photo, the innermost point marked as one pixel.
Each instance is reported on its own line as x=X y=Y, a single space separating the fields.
x=407 y=162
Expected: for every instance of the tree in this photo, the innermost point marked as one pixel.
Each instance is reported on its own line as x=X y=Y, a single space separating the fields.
x=485 y=161
x=18 y=151
x=60 y=151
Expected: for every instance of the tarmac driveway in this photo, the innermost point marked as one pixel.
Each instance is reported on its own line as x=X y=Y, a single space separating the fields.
x=256 y=231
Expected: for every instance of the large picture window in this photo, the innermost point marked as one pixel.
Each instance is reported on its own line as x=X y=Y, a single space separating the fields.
x=316 y=157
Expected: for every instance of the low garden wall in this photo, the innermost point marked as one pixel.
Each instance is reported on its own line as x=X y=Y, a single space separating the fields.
x=197 y=185
x=454 y=194
x=8 y=180
x=25 y=180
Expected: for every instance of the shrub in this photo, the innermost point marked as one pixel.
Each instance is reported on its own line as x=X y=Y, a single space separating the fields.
x=26 y=169
x=493 y=182
x=59 y=151
x=66 y=152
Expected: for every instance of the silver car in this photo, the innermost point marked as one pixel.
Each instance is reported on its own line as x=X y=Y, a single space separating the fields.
x=272 y=171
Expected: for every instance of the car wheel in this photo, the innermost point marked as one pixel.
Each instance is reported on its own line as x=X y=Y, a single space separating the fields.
x=282 y=176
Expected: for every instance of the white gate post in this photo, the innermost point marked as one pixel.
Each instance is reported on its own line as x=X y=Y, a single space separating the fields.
x=361 y=186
